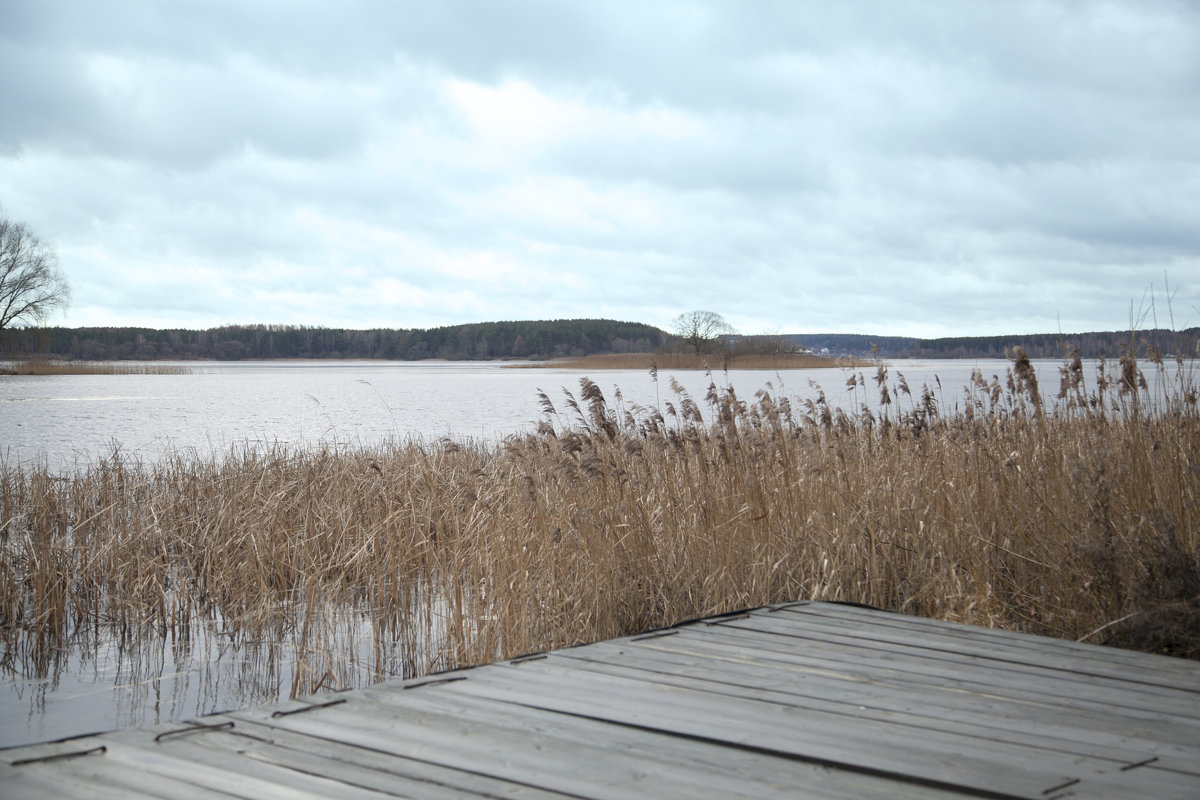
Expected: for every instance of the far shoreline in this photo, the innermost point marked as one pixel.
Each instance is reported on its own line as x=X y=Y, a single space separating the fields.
x=716 y=362
x=712 y=362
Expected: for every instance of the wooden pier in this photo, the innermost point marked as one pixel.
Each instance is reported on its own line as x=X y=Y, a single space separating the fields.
x=797 y=700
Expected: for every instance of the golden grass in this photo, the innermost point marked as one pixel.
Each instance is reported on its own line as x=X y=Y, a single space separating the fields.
x=692 y=361
x=49 y=367
x=1078 y=520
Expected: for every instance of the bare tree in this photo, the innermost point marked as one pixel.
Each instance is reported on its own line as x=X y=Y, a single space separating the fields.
x=31 y=285
x=703 y=330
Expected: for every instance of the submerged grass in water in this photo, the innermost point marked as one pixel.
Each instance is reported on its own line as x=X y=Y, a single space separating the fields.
x=1077 y=519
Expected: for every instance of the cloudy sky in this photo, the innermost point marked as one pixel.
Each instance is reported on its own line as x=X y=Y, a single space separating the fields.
x=910 y=168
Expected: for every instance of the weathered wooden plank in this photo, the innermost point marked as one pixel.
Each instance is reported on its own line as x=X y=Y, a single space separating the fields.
x=865 y=661
x=890 y=645
x=974 y=766
x=812 y=700
x=65 y=784
x=705 y=655
x=527 y=753
x=960 y=687
x=90 y=774
x=784 y=644
x=1174 y=675
x=714 y=763
x=1009 y=722
x=366 y=766
x=1151 y=666
x=818 y=737
x=193 y=761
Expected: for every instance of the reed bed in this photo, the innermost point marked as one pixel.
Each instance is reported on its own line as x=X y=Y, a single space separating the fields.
x=50 y=367
x=1077 y=517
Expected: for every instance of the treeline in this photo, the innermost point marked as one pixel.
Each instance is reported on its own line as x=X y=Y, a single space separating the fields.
x=1097 y=344
x=540 y=339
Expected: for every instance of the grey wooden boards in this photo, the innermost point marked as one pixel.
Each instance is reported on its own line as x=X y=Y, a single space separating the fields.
x=796 y=700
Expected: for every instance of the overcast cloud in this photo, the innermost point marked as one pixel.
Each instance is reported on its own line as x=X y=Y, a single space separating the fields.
x=908 y=168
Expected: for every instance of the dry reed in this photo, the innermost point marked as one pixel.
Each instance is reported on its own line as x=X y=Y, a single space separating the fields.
x=50 y=367
x=1078 y=519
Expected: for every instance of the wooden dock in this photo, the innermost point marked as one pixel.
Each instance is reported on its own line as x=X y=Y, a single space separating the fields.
x=797 y=700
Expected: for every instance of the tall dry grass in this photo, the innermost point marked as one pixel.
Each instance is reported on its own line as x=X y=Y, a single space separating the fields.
x=1077 y=518
x=42 y=366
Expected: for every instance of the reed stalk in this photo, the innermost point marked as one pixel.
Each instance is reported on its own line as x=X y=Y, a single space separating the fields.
x=42 y=366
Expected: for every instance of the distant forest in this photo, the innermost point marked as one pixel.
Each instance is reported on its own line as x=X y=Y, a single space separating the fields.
x=485 y=340
x=1107 y=344
x=543 y=339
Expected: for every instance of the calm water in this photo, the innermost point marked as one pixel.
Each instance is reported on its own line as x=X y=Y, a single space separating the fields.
x=75 y=418
x=70 y=420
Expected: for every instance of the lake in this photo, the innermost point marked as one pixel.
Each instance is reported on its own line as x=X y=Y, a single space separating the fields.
x=73 y=419
x=68 y=421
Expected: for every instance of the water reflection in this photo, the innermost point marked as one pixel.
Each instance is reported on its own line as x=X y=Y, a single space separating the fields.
x=106 y=676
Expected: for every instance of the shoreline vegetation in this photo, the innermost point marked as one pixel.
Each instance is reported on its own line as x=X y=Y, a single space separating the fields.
x=690 y=361
x=1077 y=517
x=56 y=367
x=543 y=340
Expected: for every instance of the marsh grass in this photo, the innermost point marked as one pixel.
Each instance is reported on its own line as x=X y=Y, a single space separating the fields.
x=51 y=367
x=1076 y=518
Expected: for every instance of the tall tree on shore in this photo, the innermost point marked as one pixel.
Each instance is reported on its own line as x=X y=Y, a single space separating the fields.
x=31 y=285
x=705 y=331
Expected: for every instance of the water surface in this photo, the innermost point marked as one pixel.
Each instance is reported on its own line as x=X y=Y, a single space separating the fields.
x=76 y=418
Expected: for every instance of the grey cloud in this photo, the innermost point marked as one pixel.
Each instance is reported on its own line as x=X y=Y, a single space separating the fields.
x=183 y=116
x=912 y=166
